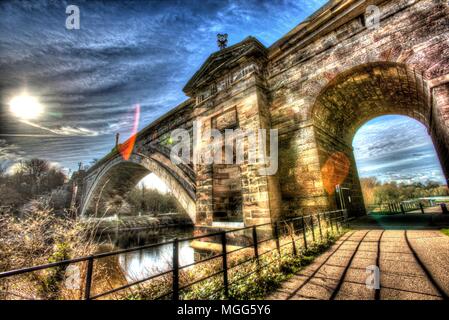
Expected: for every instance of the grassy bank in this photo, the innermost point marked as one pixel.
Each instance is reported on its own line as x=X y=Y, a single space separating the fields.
x=123 y=223
x=250 y=278
x=41 y=237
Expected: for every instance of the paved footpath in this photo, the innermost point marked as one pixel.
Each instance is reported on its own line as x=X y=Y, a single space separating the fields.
x=413 y=264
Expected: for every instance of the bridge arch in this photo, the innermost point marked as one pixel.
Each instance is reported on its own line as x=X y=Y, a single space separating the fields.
x=350 y=100
x=118 y=176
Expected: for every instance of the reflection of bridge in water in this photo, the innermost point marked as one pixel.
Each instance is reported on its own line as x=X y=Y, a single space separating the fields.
x=317 y=85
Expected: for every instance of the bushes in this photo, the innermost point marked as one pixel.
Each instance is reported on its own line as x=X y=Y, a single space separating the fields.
x=247 y=280
x=257 y=283
x=50 y=284
x=39 y=237
x=377 y=192
x=445 y=231
x=153 y=201
x=31 y=178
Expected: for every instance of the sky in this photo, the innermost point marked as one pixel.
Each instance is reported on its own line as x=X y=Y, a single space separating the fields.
x=396 y=148
x=128 y=53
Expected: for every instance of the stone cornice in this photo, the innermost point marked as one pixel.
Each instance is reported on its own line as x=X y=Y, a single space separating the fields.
x=223 y=60
x=332 y=15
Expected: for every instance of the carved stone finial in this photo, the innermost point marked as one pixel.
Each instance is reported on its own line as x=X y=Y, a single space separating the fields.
x=222 y=40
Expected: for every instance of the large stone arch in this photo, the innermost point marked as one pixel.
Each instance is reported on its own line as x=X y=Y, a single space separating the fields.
x=354 y=97
x=118 y=176
x=368 y=91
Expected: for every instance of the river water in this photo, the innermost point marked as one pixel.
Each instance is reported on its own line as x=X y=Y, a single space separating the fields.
x=140 y=264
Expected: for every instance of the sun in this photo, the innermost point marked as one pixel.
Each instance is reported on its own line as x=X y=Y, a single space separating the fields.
x=25 y=107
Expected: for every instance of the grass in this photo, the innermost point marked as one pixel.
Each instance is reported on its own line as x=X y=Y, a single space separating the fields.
x=41 y=237
x=445 y=231
x=383 y=213
x=250 y=280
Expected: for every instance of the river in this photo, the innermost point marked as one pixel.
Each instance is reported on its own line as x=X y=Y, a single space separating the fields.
x=140 y=264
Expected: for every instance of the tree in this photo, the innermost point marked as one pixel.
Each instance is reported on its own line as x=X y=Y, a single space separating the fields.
x=375 y=192
x=34 y=169
x=368 y=188
x=32 y=178
x=152 y=201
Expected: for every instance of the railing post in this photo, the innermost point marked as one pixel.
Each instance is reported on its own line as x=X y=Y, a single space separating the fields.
x=332 y=223
x=295 y=252
x=421 y=207
x=89 y=272
x=319 y=226
x=225 y=264
x=336 y=224
x=255 y=244
x=402 y=208
x=313 y=228
x=304 y=230
x=444 y=208
x=346 y=217
x=276 y=236
x=175 y=294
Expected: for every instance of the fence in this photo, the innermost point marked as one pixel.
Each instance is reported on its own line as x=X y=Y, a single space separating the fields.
x=297 y=231
x=399 y=207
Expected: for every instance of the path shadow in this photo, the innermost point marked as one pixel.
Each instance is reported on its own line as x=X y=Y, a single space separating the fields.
x=401 y=222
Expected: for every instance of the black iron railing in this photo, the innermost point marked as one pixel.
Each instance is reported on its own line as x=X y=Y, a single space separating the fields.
x=400 y=207
x=288 y=232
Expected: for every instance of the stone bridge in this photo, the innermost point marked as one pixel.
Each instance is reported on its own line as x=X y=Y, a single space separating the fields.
x=317 y=85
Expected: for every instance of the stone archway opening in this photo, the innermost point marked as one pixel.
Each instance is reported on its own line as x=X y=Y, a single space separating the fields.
x=396 y=158
x=111 y=188
x=345 y=104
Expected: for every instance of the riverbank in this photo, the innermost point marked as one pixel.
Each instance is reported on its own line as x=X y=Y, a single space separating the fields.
x=131 y=223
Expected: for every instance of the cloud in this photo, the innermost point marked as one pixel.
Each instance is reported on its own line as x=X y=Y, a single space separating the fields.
x=65 y=131
x=396 y=148
x=144 y=52
x=125 y=53
x=9 y=154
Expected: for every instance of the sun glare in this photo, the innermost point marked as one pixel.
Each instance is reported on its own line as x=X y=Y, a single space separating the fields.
x=26 y=107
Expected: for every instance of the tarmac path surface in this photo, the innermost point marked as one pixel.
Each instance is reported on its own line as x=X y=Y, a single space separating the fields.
x=412 y=264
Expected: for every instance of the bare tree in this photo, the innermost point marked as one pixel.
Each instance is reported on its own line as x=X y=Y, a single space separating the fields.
x=35 y=169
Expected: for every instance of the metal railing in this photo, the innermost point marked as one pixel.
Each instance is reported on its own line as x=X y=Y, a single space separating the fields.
x=318 y=225
x=400 y=207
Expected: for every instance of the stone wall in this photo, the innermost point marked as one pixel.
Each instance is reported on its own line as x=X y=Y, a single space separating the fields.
x=316 y=86
x=413 y=37
x=440 y=127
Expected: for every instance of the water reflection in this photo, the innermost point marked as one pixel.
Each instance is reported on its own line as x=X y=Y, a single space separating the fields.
x=140 y=264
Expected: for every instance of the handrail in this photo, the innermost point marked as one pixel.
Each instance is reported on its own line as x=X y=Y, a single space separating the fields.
x=303 y=226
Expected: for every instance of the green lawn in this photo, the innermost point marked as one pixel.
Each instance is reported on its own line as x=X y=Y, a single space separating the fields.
x=445 y=231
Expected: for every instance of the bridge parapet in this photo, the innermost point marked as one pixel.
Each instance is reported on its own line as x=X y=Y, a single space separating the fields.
x=316 y=86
